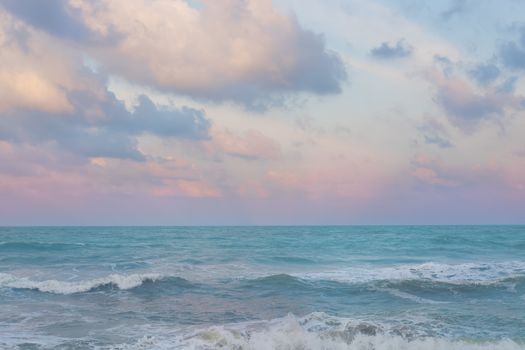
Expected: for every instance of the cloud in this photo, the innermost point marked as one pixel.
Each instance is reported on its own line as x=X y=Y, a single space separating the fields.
x=485 y=73
x=101 y=126
x=466 y=106
x=456 y=7
x=31 y=172
x=184 y=122
x=48 y=97
x=520 y=152
x=388 y=51
x=35 y=71
x=435 y=133
x=244 y=51
x=430 y=171
x=251 y=145
x=54 y=17
x=512 y=53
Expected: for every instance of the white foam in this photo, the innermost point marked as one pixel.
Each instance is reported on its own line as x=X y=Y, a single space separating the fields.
x=467 y=273
x=316 y=331
x=411 y=297
x=67 y=287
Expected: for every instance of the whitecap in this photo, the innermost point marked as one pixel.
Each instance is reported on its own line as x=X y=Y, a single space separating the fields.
x=466 y=273
x=316 y=331
x=69 y=287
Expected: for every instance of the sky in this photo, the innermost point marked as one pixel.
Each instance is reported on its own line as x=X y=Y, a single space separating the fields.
x=261 y=112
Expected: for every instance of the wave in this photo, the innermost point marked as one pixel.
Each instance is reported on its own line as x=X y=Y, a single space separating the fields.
x=313 y=331
x=396 y=279
x=113 y=281
x=404 y=278
x=459 y=274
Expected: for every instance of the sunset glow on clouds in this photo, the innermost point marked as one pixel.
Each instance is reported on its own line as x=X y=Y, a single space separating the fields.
x=261 y=112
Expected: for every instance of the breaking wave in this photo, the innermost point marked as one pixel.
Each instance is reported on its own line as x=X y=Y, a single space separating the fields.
x=114 y=281
x=316 y=331
x=461 y=274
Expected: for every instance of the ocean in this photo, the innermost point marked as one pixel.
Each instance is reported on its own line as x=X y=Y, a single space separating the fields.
x=339 y=287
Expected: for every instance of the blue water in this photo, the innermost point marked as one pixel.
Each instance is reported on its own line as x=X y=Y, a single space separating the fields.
x=368 y=287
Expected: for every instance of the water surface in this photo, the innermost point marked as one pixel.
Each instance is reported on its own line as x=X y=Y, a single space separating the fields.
x=358 y=287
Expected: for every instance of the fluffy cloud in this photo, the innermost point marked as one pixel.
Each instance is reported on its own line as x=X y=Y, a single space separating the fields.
x=35 y=71
x=47 y=96
x=54 y=17
x=243 y=51
x=386 y=50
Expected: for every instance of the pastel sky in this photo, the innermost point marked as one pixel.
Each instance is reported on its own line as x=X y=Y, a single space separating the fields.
x=161 y=112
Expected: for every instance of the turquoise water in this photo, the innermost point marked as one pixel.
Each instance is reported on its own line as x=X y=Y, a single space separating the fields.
x=367 y=287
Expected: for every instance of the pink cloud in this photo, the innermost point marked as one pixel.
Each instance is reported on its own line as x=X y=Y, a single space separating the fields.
x=251 y=144
x=186 y=188
x=466 y=105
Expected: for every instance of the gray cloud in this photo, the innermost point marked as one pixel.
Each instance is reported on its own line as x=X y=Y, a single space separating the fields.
x=102 y=128
x=434 y=133
x=456 y=7
x=513 y=56
x=485 y=73
x=466 y=105
x=512 y=53
x=508 y=85
x=445 y=64
x=467 y=109
x=57 y=18
x=387 y=50
x=147 y=118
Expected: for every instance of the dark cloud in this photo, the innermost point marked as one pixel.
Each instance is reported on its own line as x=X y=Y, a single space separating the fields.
x=103 y=128
x=456 y=7
x=387 y=50
x=485 y=73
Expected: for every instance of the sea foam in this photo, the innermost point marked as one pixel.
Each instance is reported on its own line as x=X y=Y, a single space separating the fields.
x=68 y=287
x=484 y=273
x=316 y=331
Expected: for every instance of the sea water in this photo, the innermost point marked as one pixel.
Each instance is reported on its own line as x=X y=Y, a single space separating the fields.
x=356 y=287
